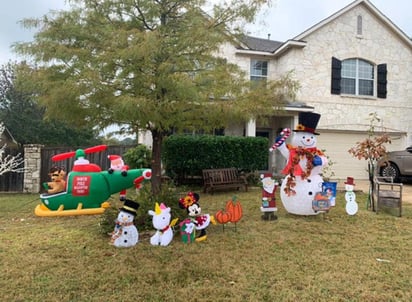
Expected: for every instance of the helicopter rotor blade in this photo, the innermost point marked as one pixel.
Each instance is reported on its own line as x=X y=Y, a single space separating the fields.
x=94 y=149
x=66 y=155
x=63 y=156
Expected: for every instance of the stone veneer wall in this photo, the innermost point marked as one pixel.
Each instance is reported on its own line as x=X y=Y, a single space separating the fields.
x=378 y=44
x=32 y=155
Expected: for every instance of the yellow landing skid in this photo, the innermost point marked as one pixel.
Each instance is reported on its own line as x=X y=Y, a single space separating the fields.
x=43 y=211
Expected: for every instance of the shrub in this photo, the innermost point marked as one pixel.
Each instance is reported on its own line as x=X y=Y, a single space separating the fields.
x=138 y=157
x=185 y=155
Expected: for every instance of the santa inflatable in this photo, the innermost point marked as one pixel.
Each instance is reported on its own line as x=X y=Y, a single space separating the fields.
x=303 y=167
x=117 y=164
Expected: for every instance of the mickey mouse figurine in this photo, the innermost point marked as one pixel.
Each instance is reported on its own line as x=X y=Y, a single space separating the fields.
x=201 y=221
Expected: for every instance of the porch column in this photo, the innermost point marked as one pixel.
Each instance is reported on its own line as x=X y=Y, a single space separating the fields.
x=251 y=128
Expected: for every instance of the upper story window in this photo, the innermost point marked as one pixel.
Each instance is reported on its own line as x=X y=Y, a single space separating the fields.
x=357 y=77
x=258 y=70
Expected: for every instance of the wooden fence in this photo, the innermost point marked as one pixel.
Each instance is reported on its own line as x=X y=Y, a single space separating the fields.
x=13 y=182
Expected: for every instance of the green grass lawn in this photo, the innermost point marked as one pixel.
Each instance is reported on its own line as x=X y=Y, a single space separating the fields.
x=335 y=257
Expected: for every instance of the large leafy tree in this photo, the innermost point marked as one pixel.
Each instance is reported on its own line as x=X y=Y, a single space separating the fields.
x=149 y=64
x=22 y=115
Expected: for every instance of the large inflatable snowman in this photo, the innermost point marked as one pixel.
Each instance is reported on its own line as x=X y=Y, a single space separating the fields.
x=303 y=167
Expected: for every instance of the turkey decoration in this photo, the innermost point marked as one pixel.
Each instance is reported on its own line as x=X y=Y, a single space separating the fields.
x=303 y=167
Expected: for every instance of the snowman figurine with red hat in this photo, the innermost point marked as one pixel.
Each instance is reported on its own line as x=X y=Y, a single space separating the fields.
x=303 y=167
x=350 y=197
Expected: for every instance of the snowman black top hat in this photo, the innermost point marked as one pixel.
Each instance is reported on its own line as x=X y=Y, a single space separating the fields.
x=308 y=122
x=130 y=206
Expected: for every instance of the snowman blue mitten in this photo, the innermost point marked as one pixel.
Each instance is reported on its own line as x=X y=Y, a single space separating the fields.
x=317 y=161
x=278 y=139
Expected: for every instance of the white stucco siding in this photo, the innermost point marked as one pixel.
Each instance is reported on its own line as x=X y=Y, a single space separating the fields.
x=336 y=146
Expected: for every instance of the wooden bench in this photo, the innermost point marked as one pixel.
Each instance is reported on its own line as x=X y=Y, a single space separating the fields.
x=387 y=193
x=221 y=179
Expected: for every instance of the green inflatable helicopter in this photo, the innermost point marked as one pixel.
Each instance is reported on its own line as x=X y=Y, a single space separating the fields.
x=88 y=187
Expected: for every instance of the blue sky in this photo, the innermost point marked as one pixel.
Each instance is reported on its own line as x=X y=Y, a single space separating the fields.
x=284 y=20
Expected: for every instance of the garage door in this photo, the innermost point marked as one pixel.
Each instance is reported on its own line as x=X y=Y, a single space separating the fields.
x=336 y=145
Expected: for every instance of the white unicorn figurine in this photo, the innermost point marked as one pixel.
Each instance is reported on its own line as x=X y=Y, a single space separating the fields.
x=161 y=222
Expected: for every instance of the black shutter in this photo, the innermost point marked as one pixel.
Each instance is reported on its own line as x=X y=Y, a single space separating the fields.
x=382 y=81
x=336 y=76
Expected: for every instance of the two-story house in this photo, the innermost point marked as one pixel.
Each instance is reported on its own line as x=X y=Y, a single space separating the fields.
x=349 y=65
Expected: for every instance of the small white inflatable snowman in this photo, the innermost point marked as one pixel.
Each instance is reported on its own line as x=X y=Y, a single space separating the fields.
x=125 y=233
x=303 y=167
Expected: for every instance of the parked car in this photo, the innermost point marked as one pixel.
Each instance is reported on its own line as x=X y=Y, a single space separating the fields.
x=397 y=164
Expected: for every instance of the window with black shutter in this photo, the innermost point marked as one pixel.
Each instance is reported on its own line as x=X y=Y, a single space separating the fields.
x=382 y=81
x=336 y=75
x=356 y=76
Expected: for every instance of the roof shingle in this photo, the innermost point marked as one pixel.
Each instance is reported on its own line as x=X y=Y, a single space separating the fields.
x=260 y=44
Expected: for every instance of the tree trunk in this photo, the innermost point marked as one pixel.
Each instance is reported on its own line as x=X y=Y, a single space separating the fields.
x=156 y=161
x=371 y=172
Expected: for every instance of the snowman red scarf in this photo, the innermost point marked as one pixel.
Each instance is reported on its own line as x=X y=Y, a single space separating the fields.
x=118 y=231
x=293 y=168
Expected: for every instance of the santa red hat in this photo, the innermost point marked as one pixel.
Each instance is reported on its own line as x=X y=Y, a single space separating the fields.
x=113 y=157
x=266 y=175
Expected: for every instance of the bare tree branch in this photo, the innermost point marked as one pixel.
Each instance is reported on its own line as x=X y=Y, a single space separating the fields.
x=9 y=163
